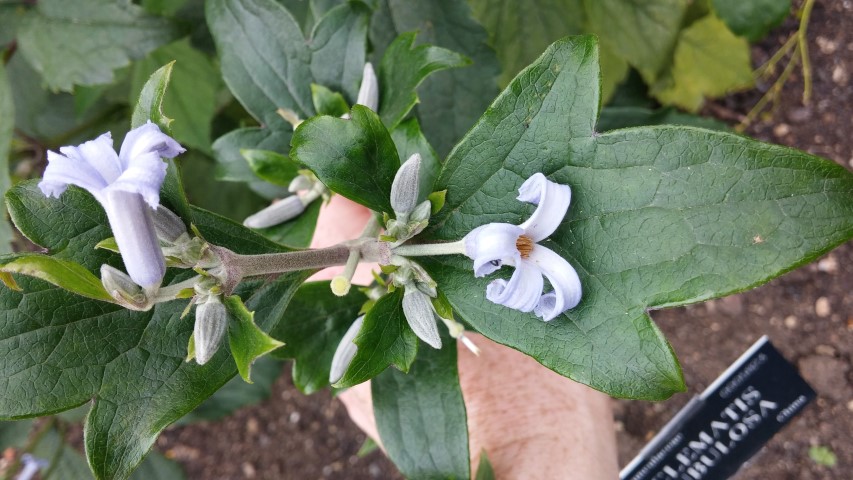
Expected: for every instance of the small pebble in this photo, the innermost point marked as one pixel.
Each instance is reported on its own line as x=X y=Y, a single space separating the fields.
x=850 y=405
x=825 y=350
x=252 y=426
x=781 y=130
x=791 y=321
x=799 y=115
x=294 y=417
x=822 y=307
x=249 y=470
x=839 y=75
x=828 y=264
x=826 y=45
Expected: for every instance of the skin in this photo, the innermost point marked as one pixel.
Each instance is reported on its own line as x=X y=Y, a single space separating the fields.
x=532 y=422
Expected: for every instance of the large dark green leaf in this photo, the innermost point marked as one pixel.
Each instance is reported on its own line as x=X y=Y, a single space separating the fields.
x=59 y=350
x=265 y=60
x=752 y=19
x=421 y=416
x=355 y=158
x=312 y=327
x=642 y=32
x=338 y=45
x=451 y=101
x=661 y=216
x=404 y=66
x=81 y=42
x=385 y=339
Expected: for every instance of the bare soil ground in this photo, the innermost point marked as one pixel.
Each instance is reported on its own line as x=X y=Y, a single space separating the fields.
x=808 y=315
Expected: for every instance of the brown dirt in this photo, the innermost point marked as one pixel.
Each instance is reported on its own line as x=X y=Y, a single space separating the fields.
x=808 y=315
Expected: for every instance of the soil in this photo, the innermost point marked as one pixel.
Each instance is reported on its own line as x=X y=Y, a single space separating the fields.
x=808 y=315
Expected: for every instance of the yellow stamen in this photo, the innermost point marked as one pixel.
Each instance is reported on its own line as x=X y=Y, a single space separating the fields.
x=524 y=244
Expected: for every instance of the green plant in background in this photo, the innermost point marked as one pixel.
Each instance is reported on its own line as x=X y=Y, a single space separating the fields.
x=661 y=215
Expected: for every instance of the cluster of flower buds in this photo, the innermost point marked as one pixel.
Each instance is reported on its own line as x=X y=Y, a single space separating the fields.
x=410 y=215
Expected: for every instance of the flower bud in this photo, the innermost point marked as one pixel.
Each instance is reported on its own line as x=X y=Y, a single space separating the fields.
x=300 y=182
x=368 y=92
x=168 y=225
x=211 y=321
x=345 y=352
x=420 y=314
x=124 y=290
x=279 y=212
x=405 y=188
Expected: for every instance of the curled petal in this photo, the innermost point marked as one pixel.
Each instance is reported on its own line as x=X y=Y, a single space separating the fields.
x=491 y=246
x=552 y=200
x=97 y=153
x=345 y=352
x=147 y=139
x=144 y=175
x=62 y=171
x=419 y=314
x=133 y=229
x=564 y=279
x=523 y=290
x=368 y=93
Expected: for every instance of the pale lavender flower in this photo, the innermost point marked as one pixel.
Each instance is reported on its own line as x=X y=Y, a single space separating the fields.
x=496 y=244
x=32 y=465
x=123 y=184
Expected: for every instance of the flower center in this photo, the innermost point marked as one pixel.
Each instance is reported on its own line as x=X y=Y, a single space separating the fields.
x=524 y=244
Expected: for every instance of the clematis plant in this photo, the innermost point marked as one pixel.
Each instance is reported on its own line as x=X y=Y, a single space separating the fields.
x=468 y=182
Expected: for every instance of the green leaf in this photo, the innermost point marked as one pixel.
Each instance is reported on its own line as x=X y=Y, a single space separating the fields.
x=313 y=325
x=237 y=394
x=230 y=199
x=385 y=339
x=194 y=87
x=709 y=61
x=265 y=59
x=409 y=140
x=327 y=102
x=60 y=350
x=7 y=126
x=296 y=233
x=272 y=167
x=403 y=68
x=355 y=158
x=453 y=100
x=63 y=273
x=643 y=33
x=823 y=456
x=337 y=44
x=149 y=105
x=247 y=341
x=81 y=42
x=613 y=118
x=661 y=216
x=752 y=19
x=232 y=167
x=15 y=434
x=421 y=416
x=484 y=469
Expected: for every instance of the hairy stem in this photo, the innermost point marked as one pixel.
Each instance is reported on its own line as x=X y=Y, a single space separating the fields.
x=451 y=248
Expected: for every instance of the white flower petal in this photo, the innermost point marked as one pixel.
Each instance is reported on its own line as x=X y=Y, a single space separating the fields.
x=564 y=279
x=97 y=153
x=523 y=290
x=491 y=246
x=144 y=175
x=345 y=352
x=552 y=200
x=133 y=229
x=62 y=171
x=368 y=93
x=419 y=314
x=146 y=139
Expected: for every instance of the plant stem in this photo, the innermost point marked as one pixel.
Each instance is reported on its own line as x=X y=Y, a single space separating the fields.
x=450 y=248
x=804 y=50
x=269 y=263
